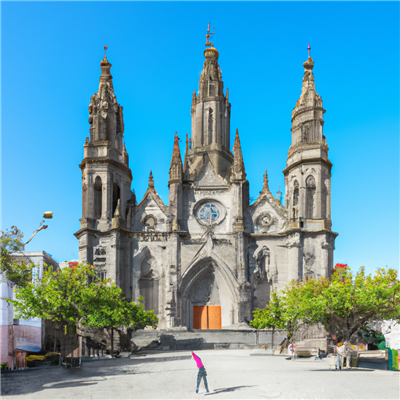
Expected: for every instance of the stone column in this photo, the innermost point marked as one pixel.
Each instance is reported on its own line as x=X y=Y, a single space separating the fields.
x=216 y=116
x=318 y=195
x=109 y=194
x=325 y=248
x=293 y=245
x=171 y=280
x=301 y=205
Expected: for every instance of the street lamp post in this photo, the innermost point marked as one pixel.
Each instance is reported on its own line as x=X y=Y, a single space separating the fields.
x=46 y=215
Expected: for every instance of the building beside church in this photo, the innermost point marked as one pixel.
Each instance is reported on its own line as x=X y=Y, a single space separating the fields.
x=209 y=257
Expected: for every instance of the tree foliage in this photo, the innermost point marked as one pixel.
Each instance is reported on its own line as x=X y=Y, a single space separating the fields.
x=19 y=273
x=342 y=304
x=76 y=296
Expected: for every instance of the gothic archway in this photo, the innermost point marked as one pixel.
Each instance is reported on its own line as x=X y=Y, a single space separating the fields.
x=208 y=292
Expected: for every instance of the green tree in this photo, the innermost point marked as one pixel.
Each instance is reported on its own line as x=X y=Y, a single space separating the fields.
x=342 y=304
x=18 y=273
x=75 y=297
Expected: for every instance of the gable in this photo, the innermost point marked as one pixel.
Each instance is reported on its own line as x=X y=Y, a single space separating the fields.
x=150 y=214
x=208 y=177
x=266 y=216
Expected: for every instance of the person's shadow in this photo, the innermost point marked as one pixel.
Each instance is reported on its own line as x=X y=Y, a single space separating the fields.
x=231 y=389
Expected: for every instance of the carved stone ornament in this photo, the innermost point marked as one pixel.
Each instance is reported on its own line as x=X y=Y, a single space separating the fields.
x=209 y=212
x=262 y=273
x=293 y=240
x=265 y=221
x=202 y=292
x=150 y=236
x=308 y=265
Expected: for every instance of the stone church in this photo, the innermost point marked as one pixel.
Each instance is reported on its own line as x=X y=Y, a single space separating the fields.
x=210 y=257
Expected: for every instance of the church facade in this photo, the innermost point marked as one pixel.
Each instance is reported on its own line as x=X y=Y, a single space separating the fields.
x=208 y=258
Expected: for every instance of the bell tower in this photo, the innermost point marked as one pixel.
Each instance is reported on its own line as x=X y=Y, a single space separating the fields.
x=308 y=169
x=106 y=177
x=211 y=116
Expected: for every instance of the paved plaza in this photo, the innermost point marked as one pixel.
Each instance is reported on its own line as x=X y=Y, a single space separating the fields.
x=232 y=374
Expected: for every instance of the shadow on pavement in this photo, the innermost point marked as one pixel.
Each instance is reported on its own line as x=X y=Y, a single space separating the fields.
x=31 y=381
x=225 y=390
x=341 y=371
x=62 y=385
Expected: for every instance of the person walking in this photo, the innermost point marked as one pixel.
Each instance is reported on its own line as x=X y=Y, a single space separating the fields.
x=292 y=350
x=201 y=374
x=340 y=351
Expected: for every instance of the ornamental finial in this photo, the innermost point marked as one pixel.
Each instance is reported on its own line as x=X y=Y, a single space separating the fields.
x=208 y=36
x=151 y=180
x=309 y=50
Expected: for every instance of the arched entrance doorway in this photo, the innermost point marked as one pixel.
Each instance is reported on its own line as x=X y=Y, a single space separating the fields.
x=208 y=296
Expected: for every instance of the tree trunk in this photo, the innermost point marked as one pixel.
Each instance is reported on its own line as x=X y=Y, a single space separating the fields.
x=273 y=331
x=112 y=342
x=59 y=363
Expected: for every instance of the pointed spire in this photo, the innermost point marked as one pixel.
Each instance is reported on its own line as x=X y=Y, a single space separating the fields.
x=193 y=110
x=151 y=181
x=175 y=171
x=185 y=163
x=278 y=193
x=266 y=180
x=267 y=192
x=105 y=69
x=238 y=164
x=309 y=97
x=194 y=98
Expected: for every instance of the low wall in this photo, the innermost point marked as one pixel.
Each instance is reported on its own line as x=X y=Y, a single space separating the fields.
x=199 y=339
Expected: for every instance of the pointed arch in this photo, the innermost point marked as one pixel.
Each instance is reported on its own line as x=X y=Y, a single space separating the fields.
x=98 y=197
x=209 y=282
x=148 y=275
x=194 y=270
x=310 y=196
x=210 y=126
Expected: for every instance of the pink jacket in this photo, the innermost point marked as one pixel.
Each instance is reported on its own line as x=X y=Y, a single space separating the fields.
x=198 y=361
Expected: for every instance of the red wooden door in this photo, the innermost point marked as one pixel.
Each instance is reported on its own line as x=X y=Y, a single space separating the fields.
x=207 y=317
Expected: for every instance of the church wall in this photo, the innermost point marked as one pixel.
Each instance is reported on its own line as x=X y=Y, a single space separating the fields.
x=279 y=259
x=149 y=264
x=147 y=209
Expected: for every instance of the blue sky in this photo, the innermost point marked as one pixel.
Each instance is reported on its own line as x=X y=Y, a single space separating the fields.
x=50 y=55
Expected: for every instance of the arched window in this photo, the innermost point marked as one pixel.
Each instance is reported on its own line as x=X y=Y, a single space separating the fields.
x=210 y=125
x=295 y=193
x=150 y=223
x=97 y=198
x=148 y=283
x=116 y=197
x=310 y=197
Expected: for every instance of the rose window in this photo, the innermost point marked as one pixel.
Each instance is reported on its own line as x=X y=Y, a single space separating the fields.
x=208 y=213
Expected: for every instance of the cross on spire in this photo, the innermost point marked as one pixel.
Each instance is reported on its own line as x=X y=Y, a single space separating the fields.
x=208 y=36
x=105 y=51
x=309 y=50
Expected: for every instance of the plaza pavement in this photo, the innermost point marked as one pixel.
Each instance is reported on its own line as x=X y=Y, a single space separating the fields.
x=232 y=374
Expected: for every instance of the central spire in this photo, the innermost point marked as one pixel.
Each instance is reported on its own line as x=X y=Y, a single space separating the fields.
x=210 y=115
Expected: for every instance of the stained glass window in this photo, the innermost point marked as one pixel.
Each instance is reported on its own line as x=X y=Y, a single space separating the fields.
x=208 y=213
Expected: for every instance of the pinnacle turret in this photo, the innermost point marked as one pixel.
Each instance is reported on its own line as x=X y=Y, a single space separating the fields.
x=151 y=180
x=238 y=164
x=105 y=114
x=175 y=171
x=307 y=115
